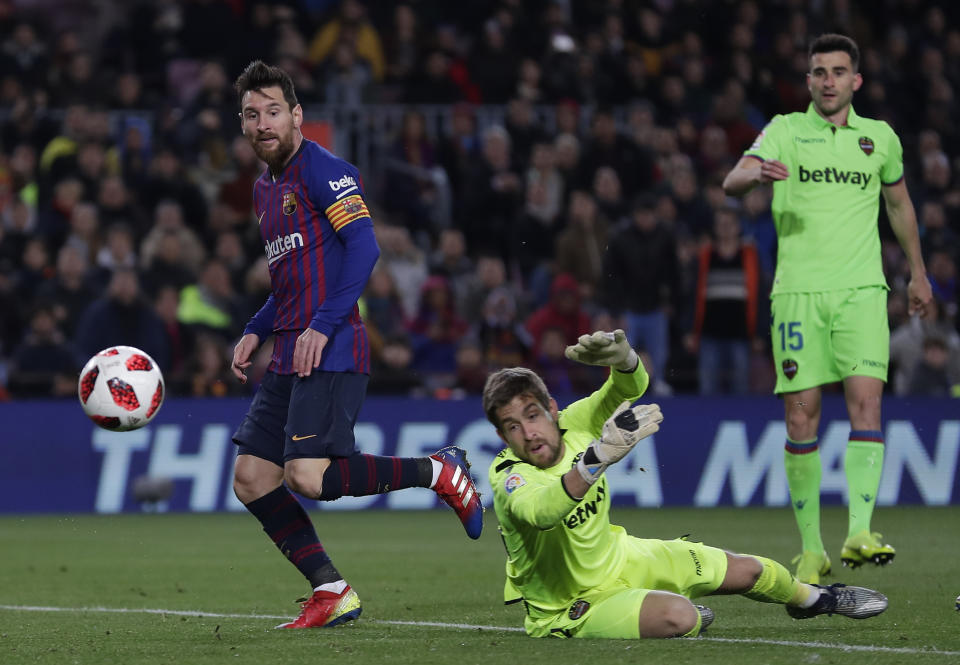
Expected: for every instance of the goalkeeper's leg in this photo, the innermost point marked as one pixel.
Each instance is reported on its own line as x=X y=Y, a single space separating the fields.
x=766 y=581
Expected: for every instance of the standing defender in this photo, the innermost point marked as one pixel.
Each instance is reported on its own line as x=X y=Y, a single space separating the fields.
x=320 y=247
x=829 y=298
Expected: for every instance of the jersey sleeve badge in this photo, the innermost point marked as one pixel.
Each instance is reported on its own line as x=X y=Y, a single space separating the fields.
x=512 y=482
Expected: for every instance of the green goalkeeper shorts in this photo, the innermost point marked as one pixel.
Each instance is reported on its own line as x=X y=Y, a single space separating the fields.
x=821 y=338
x=612 y=610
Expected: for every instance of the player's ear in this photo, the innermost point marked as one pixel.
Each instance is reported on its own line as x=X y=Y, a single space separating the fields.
x=297 y=116
x=857 y=81
x=554 y=409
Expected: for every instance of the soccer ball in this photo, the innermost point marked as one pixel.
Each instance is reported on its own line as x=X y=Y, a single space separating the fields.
x=121 y=388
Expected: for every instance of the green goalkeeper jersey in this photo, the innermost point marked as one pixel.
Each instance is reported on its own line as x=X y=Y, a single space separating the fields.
x=559 y=547
x=826 y=210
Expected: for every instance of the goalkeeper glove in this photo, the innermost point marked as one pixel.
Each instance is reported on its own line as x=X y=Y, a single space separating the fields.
x=620 y=434
x=604 y=348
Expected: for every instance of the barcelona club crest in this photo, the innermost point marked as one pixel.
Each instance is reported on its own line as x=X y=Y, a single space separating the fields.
x=289 y=203
x=789 y=368
x=866 y=144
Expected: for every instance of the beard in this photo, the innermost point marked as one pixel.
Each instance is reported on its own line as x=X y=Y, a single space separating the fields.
x=276 y=158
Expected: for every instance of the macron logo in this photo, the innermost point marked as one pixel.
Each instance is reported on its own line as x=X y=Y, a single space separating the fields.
x=280 y=246
x=343 y=185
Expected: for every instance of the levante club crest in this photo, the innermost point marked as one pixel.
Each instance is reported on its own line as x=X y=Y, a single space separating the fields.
x=289 y=203
x=866 y=144
x=789 y=368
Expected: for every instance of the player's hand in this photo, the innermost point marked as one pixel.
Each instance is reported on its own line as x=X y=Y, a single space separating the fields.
x=604 y=348
x=241 y=355
x=919 y=296
x=771 y=170
x=308 y=351
x=621 y=432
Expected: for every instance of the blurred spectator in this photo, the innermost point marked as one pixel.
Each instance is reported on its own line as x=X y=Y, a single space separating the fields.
x=207 y=373
x=459 y=149
x=118 y=251
x=403 y=46
x=471 y=372
x=347 y=78
x=350 y=25
x=642 y=273
x=116 y=206
x=433 y=81
x=551 y=363
x=382 y=309
x=907 y=345
x=35 y=268
x=167 y=220
x=608 y=193
x=165 y=265
x=524 y=129
x=725 y=319
x=84 y=231
x=392 y=372
x=582 y=244
x=69 y=291
x=211 y=304
x=936 y=375
x=180 y=338
x=122 y=316
x=450 y=260
x=608 y=147
x=490 y=274
x=235 y=190
x=44 y=365
x=435 y=331
x=563 y=311
x=410 y=190
x=503 y=339
x=166 y=181
x=493 y=197
x=406 y=263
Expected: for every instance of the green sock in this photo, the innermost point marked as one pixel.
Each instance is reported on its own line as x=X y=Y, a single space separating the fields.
x=693 y=632
x=775 y=584
x=862 y=464
x=801 y=460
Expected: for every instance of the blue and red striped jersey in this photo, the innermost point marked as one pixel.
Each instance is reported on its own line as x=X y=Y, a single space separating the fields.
x=321 y=249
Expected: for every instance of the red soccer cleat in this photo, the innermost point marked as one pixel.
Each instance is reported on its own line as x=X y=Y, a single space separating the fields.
x=325 y=609
x=456 y=488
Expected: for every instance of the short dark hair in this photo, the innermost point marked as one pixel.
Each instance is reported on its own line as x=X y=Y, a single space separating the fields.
x=831 y=42
x=259 y=75
x=502 y=386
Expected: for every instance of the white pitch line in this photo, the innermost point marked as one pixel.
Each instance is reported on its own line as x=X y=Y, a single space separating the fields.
x=468 y=626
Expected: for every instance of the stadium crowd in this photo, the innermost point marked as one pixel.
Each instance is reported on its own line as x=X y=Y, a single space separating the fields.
x=125 y=186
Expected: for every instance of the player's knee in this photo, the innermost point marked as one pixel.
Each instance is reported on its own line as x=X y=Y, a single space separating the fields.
x=249 y=485
x=303 y=482
x=667 y=615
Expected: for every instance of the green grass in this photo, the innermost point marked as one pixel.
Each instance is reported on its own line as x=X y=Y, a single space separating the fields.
x=419 y=567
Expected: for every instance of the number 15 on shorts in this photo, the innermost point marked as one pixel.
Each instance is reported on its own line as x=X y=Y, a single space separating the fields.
x=790 y=336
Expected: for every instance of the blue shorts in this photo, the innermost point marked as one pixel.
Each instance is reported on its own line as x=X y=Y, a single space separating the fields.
x=292 y=417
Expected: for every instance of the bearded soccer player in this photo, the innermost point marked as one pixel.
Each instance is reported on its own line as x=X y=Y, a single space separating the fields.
x=829 y=167
x=298 y=432
x=577 y=574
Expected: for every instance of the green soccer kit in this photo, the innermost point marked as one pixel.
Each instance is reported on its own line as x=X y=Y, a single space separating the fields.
x=579 y=575
x=829 y=292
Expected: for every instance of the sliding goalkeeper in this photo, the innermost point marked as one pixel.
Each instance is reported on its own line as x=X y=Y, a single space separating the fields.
x=577 y=574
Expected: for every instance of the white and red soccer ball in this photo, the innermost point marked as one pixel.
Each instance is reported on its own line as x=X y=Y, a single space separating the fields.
x=121 y=388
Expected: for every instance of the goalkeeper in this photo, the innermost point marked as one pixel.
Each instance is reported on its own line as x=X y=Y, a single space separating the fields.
x=577 y=574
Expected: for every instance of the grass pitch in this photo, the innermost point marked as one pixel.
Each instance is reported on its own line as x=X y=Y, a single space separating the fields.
x=208 y=588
